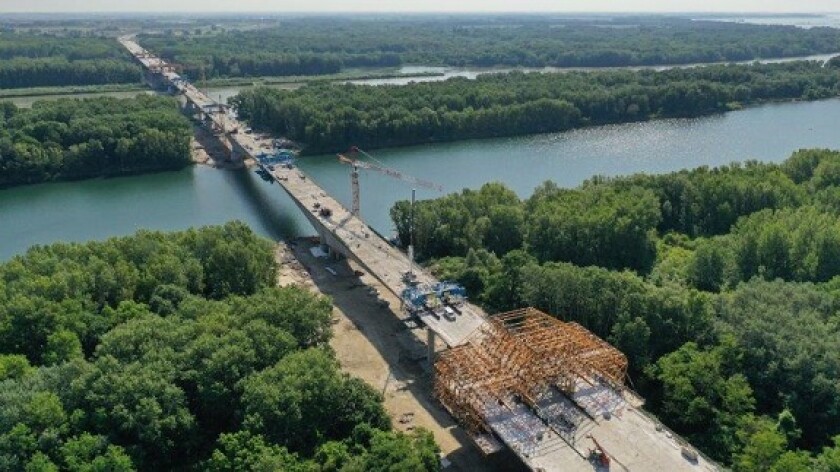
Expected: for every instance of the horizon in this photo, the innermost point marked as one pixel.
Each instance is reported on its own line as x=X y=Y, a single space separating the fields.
x=268 y=14
x=246 y=7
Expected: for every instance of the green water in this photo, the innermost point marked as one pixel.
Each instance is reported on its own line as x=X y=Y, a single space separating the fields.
x=97 y=209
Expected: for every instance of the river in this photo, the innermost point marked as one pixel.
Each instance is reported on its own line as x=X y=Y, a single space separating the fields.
x=97 y=209
x=830 y=20
x=407 y=74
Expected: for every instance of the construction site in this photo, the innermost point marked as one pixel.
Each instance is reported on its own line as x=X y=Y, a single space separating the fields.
x=550 y=392
x=554 y=393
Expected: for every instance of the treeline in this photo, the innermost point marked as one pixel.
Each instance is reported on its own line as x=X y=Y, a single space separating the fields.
x=721 y=285
x=30 y=60
x=322 y=45
x=58 y=71
x=177 y=352
x=330 y=117
x=75 y=139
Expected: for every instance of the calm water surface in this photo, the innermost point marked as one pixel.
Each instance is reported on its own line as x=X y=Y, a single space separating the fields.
x=98 y=209
x=101 y=208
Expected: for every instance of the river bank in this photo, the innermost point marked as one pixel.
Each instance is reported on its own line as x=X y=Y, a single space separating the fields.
x=200 y=195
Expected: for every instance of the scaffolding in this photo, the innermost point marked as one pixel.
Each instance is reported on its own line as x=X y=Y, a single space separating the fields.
x=521 y=357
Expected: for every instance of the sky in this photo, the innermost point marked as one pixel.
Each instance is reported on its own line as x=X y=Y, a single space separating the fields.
x=419 y=5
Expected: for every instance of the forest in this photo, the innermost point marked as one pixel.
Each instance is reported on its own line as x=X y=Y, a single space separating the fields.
x=329 y=118
x=178 y=352
x=75 y=139
x=41 y=60
x=326 y=45
x=721 y=285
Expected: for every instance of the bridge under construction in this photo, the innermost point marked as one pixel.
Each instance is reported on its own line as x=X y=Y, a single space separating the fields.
x=552 y=392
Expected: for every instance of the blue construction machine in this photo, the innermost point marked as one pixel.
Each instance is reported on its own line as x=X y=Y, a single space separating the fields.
x=442 y=299
x=269 y=161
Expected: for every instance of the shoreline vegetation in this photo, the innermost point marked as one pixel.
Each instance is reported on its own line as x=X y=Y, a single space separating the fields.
x=329 y=117
x=96 y=137
x=702 y=277
x=41 y=60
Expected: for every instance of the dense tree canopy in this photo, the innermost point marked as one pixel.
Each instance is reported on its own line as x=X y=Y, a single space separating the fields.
x=75 y=139
x=324 y=45
x=330 y=117
x=30 y=60
x=155 y=352
x=722 y=286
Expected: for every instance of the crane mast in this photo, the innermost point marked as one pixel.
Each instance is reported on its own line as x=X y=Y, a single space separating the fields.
x=354 y=184
x=355 y=165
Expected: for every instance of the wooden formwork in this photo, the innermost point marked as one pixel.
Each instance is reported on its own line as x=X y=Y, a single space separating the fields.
x=521 y=353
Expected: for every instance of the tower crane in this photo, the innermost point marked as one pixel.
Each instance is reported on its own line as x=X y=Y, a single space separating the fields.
x=355 y=165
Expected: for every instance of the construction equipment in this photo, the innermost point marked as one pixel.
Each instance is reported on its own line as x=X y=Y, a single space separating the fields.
x=599 y=454
x=356 y=164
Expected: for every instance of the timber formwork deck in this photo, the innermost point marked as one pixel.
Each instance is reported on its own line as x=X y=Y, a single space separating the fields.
x=542 y=387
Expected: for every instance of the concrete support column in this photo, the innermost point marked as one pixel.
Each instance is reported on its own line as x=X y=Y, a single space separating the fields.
x=325 y=239
x=191 y=109
x=237 y=155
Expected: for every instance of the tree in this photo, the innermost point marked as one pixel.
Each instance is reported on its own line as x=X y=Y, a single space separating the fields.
x=306 y=317
x=829 y=459
x=707 y=268
x=89 y=453
x=62 y=346
x=785 y=339
x=302 y=399
x=505 y=288
x=762 y=451
x=244 y=451
x=14 y=366
x=40 y=463
x=396 y=451
x=137 y=404
x=703 y=396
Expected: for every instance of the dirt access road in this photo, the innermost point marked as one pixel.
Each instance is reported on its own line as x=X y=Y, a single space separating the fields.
x=372 y=342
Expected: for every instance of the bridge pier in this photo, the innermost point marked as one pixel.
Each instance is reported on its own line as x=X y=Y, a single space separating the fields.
x=237 y=154
x=430 y=346
x=190 y=109
x=155 y=80
x=332 y=252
